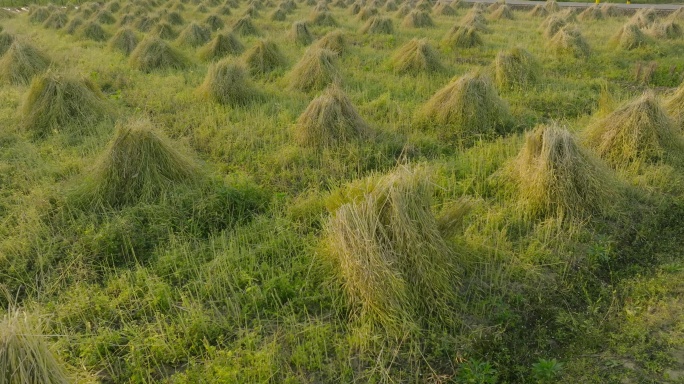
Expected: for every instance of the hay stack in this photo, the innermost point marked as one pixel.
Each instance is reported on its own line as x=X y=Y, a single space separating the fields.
x=57 y=20
x=24 y=355
x=516 y=69
x=639 y=131
x=105 y=17
x=417 y=19
x=595 y=12
x=74 y=25
x=330 y=120
x=551 y=25
x=139 y=165
x=538 y=11
x=609 y=10
x=194 y=35
x=214 y=22
x=244 y=27
x=476 y=19
x=39 y=15
x=503 y=12
x=316 y=70
x=154 y=53
x=300 y=34
x=569 y=41
x=551 y=6
x=146 y=23
x=93 y=31
x=554 y=176
x=394 y=262
x=165 y=31
x=462 y=37
x=227 y=82
x=667 y=29
x=278 y=15
x=675 y=106
x=366 y=13
x=677 y=15
x=174 y=18
x=322 y=19
x=21 y=63
x=630 y=37
x=264 y=57
x=334 y=41
x=57 y=102
x=404 y=10
x=644 y=17
x=124 y=40
x=378 y=25
x=416 y=56
x=444 y=9
x=6 y=40
x=471 y=105
x=222 y=45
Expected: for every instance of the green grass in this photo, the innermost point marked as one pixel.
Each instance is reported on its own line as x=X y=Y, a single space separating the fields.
x=224 y=241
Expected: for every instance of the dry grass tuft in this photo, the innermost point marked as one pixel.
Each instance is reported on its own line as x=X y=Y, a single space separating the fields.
x=227 y=82
x=329 y=120
x=470 y=105
x=569 y=41
x=224 y=44
x=316 y=70
x=194 y=35
x=554 y=176
x=390 y=254
x=154 y=53
x=378 y=25
x=140 y=164
x=417 y=19
x=300 y=34
x=124 y=40
x=244 y=27
x=516 y=69
x=462 y=37
x=264 y=57
x=639 y=131
x=21 y=63
x=416 y=56
x=630 y=37
x=335 y=41
x=56 y=102
x=24 y=355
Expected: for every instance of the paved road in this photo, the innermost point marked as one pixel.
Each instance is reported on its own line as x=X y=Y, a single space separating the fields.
x=527 y=3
